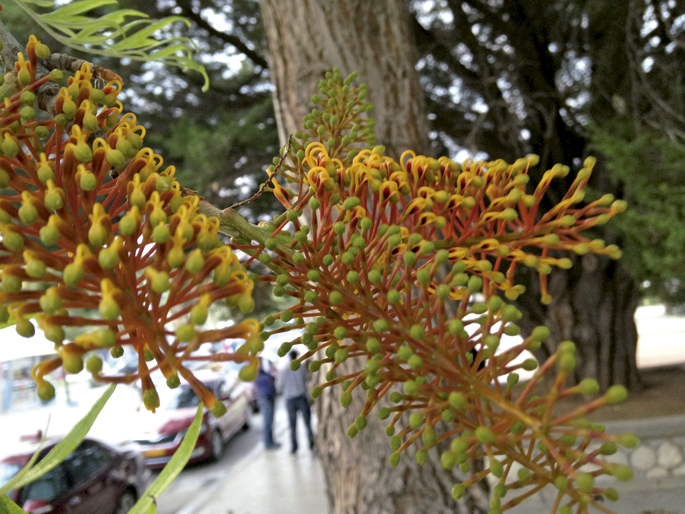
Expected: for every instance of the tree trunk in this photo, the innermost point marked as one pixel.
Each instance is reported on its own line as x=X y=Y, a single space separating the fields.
x=306 y=38
x=593 y=305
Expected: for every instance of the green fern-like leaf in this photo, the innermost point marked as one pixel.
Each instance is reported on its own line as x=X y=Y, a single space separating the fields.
x=124 y=33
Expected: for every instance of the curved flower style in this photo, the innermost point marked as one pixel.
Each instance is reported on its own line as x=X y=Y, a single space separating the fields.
x=398 y=268
x=89 y=215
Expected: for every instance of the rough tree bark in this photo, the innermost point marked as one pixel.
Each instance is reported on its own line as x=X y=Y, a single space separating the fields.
x=306 y=38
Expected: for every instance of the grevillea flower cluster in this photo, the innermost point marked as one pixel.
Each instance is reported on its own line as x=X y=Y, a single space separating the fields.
x=404 y=268
x=96 y=235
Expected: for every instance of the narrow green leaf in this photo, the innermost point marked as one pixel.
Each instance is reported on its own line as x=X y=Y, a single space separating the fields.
x=140 y=39
x=75 y=8
x=41 y=3
x=19 y=476
x=63 y=448
x=173 y=467
x=7 y=506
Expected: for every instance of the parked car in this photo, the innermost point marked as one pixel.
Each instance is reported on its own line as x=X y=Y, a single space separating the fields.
x=94 y=478
x=160 y=434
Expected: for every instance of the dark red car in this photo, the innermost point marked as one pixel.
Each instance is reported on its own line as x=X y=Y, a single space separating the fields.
x=160 y=434
x=94 y=478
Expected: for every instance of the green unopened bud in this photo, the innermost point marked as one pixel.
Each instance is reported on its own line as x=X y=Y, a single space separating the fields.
x=524 y=475
x=151 y=399
x=457 y=401
x=588 y=386
x=25 y=328
x=622 y=472
x=616 y=394
x=185 y=333
x=628 y=440
x=484 y=435
x=73 y=273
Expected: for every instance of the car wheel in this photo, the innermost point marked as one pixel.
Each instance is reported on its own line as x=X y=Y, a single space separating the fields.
x=246 y=424
x=125 y=503
x=217 y=445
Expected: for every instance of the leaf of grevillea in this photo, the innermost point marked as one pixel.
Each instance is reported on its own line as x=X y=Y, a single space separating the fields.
x=173 y=467
x=7 y=506
x=63 y=448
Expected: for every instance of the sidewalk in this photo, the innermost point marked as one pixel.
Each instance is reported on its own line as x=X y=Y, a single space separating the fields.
x=270 y=481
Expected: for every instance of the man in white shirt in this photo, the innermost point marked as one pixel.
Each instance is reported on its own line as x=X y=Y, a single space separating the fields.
x=294 y=387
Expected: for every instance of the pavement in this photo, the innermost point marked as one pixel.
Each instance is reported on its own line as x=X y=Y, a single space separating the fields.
x=269 y=481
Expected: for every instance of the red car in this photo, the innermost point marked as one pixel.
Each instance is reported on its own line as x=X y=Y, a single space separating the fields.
x=160 y=434
x=94 y=478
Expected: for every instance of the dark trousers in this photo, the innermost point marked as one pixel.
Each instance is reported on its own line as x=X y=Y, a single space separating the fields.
x=299 y=403
x=266 y=407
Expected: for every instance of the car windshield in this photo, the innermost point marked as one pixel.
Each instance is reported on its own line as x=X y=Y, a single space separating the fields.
x=183 y=396
x=7 y=471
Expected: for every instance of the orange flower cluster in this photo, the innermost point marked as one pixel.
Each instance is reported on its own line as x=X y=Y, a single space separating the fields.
x=96 y=235
x=398 y=267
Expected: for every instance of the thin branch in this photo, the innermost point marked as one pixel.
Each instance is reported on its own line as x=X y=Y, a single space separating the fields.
x=45 y=94
x=235 y=41
x=72 y=64
x=271 y=176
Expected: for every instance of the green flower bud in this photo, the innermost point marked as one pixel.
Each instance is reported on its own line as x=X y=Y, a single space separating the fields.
x=246 y=303
x=73 y=273
x=97 y=235
x=616 y=394
x=46 y=391
x=185 y=333
x=457 y=401
x=375 y=276
x=53 y=200
x=380 y=325
x=25 y=328
x=12 y=240
x=588 y=386
x=529 y=364
x=524 y=475
x=474 y=284
x=567 y=362
x=194 y=262
x=540 y=333
x=115 y=157
x=248 y=373
x=448 y=459
x=151 y=399
x=94 y=364
x=585 y=482
x=108 y=258
x=72 y=363
x=161 y=234
x=628 y=440
x=484 y=435
x=159 y=282
x=104 y=338
x=36 y=269
x=218 y=409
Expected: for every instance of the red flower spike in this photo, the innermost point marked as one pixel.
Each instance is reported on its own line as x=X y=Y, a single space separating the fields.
x=367 y=270
x=106 y=231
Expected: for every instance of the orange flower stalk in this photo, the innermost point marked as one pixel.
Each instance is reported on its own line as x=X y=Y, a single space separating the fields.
x=90 y=216
x=398 y=268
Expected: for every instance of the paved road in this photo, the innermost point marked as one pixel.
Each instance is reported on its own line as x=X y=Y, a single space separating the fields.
x=199 y=477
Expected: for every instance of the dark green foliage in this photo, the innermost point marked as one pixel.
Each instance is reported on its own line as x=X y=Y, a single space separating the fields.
x=651 y=171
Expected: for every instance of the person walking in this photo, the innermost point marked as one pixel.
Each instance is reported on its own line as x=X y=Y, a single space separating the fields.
x=294 y=387
x=265 y=392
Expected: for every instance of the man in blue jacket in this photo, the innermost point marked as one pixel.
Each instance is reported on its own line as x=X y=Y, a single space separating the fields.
x=265 y=392
x=294 y=385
